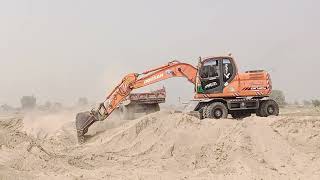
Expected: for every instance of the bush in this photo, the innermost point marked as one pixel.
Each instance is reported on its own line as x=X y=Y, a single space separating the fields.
x=82 y=101
x=307 y=103
x=315 y=103
x=57 y=105
x=28 y=102
x=279 y=97
x=6 y=108
x=47 y=105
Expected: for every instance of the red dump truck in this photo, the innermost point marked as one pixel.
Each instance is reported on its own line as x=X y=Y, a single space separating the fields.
x=147 y=102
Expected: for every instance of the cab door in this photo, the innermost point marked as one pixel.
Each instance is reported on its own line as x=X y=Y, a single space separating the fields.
x=210 y=74
x=215 y=74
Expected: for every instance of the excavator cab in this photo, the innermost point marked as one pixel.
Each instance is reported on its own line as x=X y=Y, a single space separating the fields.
x=215 y=73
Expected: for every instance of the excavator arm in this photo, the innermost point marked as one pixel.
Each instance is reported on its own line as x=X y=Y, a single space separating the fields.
x=130 y=82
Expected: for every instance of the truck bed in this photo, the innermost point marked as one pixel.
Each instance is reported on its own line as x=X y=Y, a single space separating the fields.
x=158 y=96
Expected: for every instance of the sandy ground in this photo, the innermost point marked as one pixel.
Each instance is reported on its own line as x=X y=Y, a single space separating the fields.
x=162 y=145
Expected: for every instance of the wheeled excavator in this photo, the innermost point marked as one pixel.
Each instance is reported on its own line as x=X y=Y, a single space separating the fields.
x=219 y=90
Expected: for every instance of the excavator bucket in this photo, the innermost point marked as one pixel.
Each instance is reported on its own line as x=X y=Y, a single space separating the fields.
x=83 y=121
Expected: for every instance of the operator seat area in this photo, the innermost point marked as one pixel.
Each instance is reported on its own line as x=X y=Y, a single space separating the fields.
x=215 y=73
x=210 y=75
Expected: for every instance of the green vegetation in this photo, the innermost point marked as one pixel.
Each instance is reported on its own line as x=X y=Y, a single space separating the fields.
x=28 y=102
x=82 y=101
x=279 y=97
x=316 y=103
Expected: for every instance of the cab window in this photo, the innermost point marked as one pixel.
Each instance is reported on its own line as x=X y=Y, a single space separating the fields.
x=210 y=75
x=210 y=69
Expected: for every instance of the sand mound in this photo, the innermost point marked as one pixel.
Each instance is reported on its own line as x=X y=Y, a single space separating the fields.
x=168 y=146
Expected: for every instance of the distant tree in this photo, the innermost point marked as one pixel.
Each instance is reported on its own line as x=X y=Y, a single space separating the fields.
x=279 y=97
x=83 y=101
x=47 y=105
x=28 y=102
x=6 y=107
x=296 y=103
x=307 y=103
x=316 y=103
x=57 y=105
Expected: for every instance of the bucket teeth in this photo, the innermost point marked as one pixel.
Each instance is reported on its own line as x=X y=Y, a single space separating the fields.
x=80 y=135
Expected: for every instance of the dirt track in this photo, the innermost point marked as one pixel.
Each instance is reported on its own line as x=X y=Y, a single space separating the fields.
x=164 y=146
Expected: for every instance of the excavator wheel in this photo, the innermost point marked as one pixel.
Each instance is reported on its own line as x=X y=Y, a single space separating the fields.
x=268 y=108
x=260 y=112
x=216 y=110
x=202 y=112
x=205 y=111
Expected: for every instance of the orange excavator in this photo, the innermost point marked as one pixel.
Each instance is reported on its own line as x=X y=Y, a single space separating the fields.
x=219 y=90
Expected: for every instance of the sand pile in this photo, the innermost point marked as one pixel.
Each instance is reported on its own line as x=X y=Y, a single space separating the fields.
x=167 y=146
x=43 y=124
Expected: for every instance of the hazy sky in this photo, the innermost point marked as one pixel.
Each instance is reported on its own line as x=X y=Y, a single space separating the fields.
x=60 y=50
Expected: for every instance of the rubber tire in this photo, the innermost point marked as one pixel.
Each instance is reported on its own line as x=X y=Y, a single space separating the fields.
x=210 y=111
x=260 y=112
x=126 y=112
x=240 y=115
x=202 y=112
x=265 y=108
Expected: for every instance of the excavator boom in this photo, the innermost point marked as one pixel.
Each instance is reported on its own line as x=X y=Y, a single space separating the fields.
x=130 y=82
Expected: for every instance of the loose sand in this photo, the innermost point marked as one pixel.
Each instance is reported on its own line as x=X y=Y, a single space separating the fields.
x=162 y=145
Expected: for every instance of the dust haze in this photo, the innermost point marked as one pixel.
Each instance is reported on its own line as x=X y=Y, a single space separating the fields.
x=62 y=50
x=59 y=51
